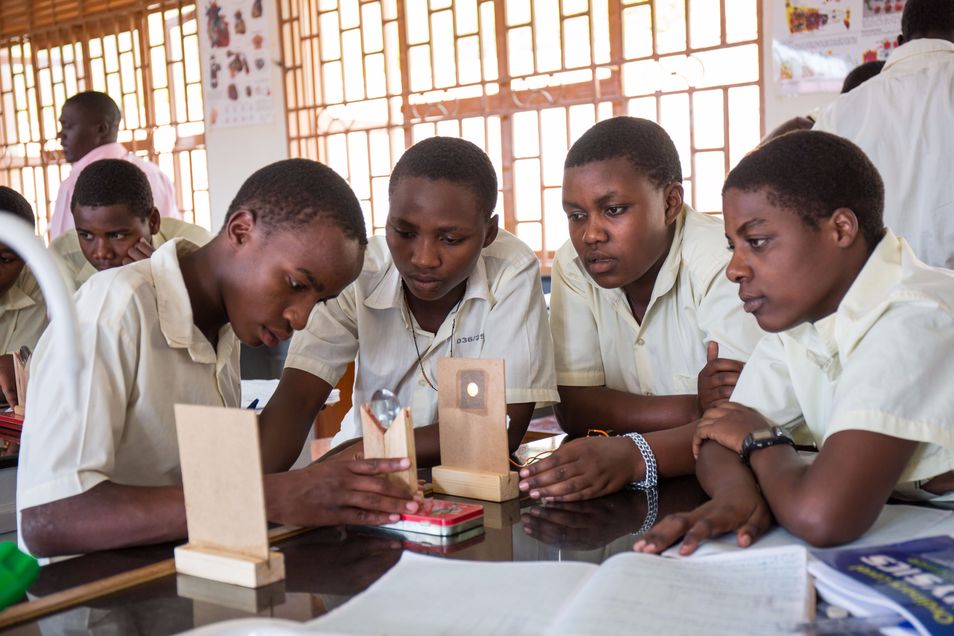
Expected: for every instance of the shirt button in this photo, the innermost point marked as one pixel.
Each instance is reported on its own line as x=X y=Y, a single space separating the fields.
x=640 y=342
x=420 y=383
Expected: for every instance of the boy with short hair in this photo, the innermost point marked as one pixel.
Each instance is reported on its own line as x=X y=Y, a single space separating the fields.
x=647 y=331
x=22 y=308
x=116 y=221
x=105 y=473
x=859 y=350
x=443 y=281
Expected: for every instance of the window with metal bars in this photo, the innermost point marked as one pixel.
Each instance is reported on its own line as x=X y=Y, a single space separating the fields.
x=523 y=79
x=143 y=53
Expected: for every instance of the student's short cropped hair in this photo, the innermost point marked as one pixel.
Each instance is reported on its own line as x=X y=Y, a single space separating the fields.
x=290 y=194
x=814 y=173
x=450 y=159
x=113 y=182
x=861 y=74
x=927 y=18
x=97 y=105
x=642 y=142
x=12 y=201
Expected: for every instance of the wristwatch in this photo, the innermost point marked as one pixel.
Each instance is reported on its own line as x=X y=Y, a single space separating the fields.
x=763 y=439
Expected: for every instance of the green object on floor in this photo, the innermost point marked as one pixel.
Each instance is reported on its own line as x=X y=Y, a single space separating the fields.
x=17 y=573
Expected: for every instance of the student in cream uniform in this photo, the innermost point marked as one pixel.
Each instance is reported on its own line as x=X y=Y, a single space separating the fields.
x=116 y=221
x=105 y=473
x=444 y=282
x=22 y=308
x=647 y=331
x=859 y=351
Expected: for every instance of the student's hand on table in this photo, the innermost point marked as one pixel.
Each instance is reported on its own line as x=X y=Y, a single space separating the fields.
x=8 y=381
x=340 y=492
x=739 y=508
x=583 y=469
x=727 y=425
x=717 y=379
x=142 y=250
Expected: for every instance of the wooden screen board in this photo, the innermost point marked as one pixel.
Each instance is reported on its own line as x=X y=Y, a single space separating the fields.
x=472 y=410
x=396 y=441
x=222 y=479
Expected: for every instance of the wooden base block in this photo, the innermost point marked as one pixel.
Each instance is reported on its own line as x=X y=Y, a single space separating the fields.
x=236 y=569
x=475 y=484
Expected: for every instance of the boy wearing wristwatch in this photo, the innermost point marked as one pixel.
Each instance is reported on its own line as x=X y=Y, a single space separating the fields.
x=859 y=356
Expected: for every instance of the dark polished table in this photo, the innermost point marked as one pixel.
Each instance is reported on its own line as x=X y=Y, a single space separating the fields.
x=325 y=567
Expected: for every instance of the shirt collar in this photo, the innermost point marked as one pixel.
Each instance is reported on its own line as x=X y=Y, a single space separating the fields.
x=16 y=298
x=862 y=305
x=175 y=308
x=113 y=150
x=669 y=272
x=915 y=49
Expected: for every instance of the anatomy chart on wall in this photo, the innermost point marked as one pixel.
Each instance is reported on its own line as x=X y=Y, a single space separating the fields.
x=236 y=71
x=816 y=43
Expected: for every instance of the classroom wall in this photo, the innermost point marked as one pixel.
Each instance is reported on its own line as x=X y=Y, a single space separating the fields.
x=236 y=152
x=778 y=106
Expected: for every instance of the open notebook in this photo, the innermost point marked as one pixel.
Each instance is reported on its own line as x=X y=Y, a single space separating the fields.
x=753 y=592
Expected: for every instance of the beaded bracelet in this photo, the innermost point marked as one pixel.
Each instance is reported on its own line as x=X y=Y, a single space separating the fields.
x=649 y=460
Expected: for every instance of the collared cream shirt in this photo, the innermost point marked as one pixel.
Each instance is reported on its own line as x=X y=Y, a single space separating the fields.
x=598 y=342
x=881 y=363
x=163 y=193
x=142 y=354
x=903 y=119
x=67 y=246
x=22 y=314
x=502 y=315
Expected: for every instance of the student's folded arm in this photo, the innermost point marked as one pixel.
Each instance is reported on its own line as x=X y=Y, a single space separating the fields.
x=288 y=416
x=585 y=407
x=837 y=497
x=105 y=517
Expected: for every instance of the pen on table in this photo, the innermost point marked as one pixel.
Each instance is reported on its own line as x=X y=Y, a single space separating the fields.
x=253 y=404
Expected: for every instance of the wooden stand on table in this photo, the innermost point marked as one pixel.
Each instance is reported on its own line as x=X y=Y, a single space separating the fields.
x=21 y=374
x=472 y=414
x=224 y=498
x=394 y=442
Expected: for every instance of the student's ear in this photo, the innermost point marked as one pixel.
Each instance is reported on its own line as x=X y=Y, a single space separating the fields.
x=240 y=227
x=154 y=220
x=493 y=224
x=900 y=40
x=844 y=227
x=672 y=194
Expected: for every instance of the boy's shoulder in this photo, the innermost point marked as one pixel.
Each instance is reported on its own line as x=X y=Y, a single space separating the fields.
x=704 y=249
x=110 y=293
x=507 y=251
x=171 y=228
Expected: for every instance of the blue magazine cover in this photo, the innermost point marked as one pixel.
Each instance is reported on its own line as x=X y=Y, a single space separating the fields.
x=917 y=577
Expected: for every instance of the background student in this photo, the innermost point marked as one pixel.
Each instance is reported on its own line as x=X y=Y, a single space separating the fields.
x=89 y=127
x=647 y=331
x=444 y=281
x=22 y=309
x=859 y=356
x=105 y=473
x=116 y=221
x=902 y=120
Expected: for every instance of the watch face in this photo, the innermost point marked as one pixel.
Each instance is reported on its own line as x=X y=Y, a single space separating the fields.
x=763 y=434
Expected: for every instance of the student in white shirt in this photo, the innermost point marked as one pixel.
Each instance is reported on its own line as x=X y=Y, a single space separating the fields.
x=116 y=221
x=22 y=309
x=105 y=473
x=902 y=119
x=444 y=281
x=859 y=355
x=647 y=331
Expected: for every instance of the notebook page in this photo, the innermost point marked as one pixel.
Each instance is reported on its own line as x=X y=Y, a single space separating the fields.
x=753 y=592
x=429 y=595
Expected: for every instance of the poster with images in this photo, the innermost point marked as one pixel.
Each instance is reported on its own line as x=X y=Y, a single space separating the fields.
x=816 y=43
x=236 y=72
